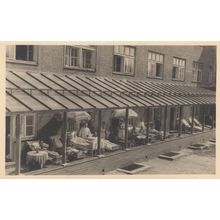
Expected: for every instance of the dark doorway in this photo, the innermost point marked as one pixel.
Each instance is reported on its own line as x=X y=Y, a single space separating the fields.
x=7 y=140
x=172 y=118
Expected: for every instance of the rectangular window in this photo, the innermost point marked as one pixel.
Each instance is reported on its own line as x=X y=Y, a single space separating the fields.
x=21 y=53
x=124 y=59
x=80 y=57
x=155 y=65
x=28 y=128
x=178 y=72
x=197 y=71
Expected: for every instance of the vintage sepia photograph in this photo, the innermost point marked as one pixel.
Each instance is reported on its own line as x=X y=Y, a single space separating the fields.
x=119 y=109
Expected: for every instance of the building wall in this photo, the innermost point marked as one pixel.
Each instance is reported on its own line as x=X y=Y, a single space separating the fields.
x=51 y=58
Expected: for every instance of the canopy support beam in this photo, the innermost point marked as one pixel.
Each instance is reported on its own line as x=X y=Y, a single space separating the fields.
x=126 y=128
x=64 y=136
x=99 y=131
x=180 y=121
x=18 y=144
x=213 y=115
x=148 y=125
x=203 y=116
x=165 y=123
x=193 y=116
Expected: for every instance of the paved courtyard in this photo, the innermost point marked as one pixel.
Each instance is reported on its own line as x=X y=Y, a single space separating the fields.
x=192 y=162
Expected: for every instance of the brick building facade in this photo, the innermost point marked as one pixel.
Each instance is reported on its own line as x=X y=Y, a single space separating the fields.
x=197 y=58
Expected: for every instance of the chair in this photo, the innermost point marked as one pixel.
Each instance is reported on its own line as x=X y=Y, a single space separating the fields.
x=186 y=125
x=197 y=125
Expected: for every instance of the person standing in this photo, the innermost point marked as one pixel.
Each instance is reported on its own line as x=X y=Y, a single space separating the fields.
x=85 y=131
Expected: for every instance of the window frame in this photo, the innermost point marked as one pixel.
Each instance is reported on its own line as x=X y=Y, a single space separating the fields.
x=24 y=126
x=179 y=67
x=81 y=62
x=13 y=59
x=123 y=64
x=155 y=62
x=198 y=67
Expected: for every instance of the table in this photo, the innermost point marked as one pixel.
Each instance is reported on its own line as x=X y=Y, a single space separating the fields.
x=36 y=159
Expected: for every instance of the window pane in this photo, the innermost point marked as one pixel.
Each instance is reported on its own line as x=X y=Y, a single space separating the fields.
x=161 y=58
x=194 y=75
x=132 y=66
x=29 y=131
x=158 y=57
x=159 y=69
x=117 y=63
x=74 y=57
x=67 y=56
x=24 y=52
x=184 y=62
x=174 y=74
x=128 y=65
x=177 y=62
x=174 y=61
x=116 y=49
x=87 y=59
x=121 y=49
x=132 y=52
x=127 y=52
x=153 y=56
x=149 y=55
x=30 y=53
x=151 y=69
x=199 y=76
x=29 y=120
x=182 y=71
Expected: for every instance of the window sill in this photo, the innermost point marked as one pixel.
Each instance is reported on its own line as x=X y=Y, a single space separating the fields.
x=179 y=80
x=196 y=81
x=29 y=138
x=155 y=77
x=32 y=63
x=79 y=68
x=123 y=74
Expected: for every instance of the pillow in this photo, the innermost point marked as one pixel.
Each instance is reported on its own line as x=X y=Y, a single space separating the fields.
x=34 y=145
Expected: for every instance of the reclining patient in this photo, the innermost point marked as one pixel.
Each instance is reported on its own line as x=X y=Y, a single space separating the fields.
x=197 y=124
x=188 y=124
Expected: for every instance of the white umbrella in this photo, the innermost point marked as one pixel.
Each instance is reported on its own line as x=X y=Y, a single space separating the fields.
x=79 y=115
x=120 y=113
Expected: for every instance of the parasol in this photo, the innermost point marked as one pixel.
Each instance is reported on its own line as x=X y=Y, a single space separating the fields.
x=120 y=113
x=79 y=116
